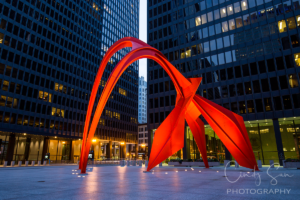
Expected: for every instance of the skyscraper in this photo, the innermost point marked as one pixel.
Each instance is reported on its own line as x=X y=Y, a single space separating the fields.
x=247 y=53
x=142 y=101
x=50 y=54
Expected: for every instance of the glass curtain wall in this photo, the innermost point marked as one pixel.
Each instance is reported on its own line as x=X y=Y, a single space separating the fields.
x=290 y=135
x=59 y=149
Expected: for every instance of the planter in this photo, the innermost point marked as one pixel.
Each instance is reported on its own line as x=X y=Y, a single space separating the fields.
x=292 y=165
x=195 y=164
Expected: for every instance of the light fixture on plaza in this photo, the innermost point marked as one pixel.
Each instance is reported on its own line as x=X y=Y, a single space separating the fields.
x=127 y=154
x=143 y=145
x=63 y=142
x=24 y=133
x=122 y=143
x=55 y=137
x=94 y=140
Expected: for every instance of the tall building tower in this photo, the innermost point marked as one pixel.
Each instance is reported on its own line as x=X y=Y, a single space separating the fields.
x=50 y=53
x=248 y=55
x=142 y=101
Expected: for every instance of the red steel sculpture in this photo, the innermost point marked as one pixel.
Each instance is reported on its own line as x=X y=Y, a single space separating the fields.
x=169 y=137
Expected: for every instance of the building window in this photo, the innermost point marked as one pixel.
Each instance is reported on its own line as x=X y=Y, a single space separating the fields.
x=282 y=26
x=122 y=91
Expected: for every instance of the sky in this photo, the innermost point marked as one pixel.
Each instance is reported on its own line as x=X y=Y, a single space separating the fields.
x=143 y=36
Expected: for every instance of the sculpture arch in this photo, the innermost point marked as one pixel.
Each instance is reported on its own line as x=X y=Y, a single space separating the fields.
x=170 y=131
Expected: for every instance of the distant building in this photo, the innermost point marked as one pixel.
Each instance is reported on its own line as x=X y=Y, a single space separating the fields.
x=143 y=141
x=142 y=101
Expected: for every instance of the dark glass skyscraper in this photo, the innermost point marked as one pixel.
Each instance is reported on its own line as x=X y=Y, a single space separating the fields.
x=50 y=53
x=248 y=55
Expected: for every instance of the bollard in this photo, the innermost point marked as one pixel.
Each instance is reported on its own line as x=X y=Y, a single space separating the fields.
x=140 y=163
x=77 y=162
x=271 y=163
x=236 y=164
x=259 y=165
x=39 y=163
x=26 y=163
x=19 y=163
x=128 y=163
x=45 y=162
x=146 y=163
x=32 y=163
x=283 y=163
x=12 y=163
x=160 y=164
x=226 y=163
x=5 y=164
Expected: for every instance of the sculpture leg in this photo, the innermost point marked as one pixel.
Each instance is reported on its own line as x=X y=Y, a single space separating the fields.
x=197 y=128
x=168 y=138
x=231 y=130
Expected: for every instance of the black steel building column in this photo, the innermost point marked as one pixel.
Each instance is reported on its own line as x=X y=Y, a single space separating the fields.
x=10 y=148
x=278 y=141
x=109 y=150
x=27 y=149
x=227 y=154
x=71 y=151
x=185 y=150
x=45 y=148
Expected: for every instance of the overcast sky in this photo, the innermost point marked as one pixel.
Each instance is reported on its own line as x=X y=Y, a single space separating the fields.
x=143 y=36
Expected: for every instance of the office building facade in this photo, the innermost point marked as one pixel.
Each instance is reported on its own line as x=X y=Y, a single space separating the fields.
x=143 y=141
x=50 y=53
x=247 y=53
x=142 y=101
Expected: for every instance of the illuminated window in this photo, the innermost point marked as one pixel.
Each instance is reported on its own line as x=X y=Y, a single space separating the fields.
x=297 y=59
x=58 y=112
x=102 y=122
x=15 y=103
x=116 y=115
x=282 y=26
x=56 y=86
x=5 y=85
x=198 y=21
x=291 y=23
x=293 y=80
x=224 y=26
x=2 y=100
x=244 y=5
x=61 y=87
x=108 y=113
x=1 y=38
x=122 y=91
x=9 y=102
x=298 y=20
x=103 y=83
x=188 y=52
x=41 y=95
x=45 y=96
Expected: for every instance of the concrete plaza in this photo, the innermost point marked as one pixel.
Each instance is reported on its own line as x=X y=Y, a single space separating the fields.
x=115 y=182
